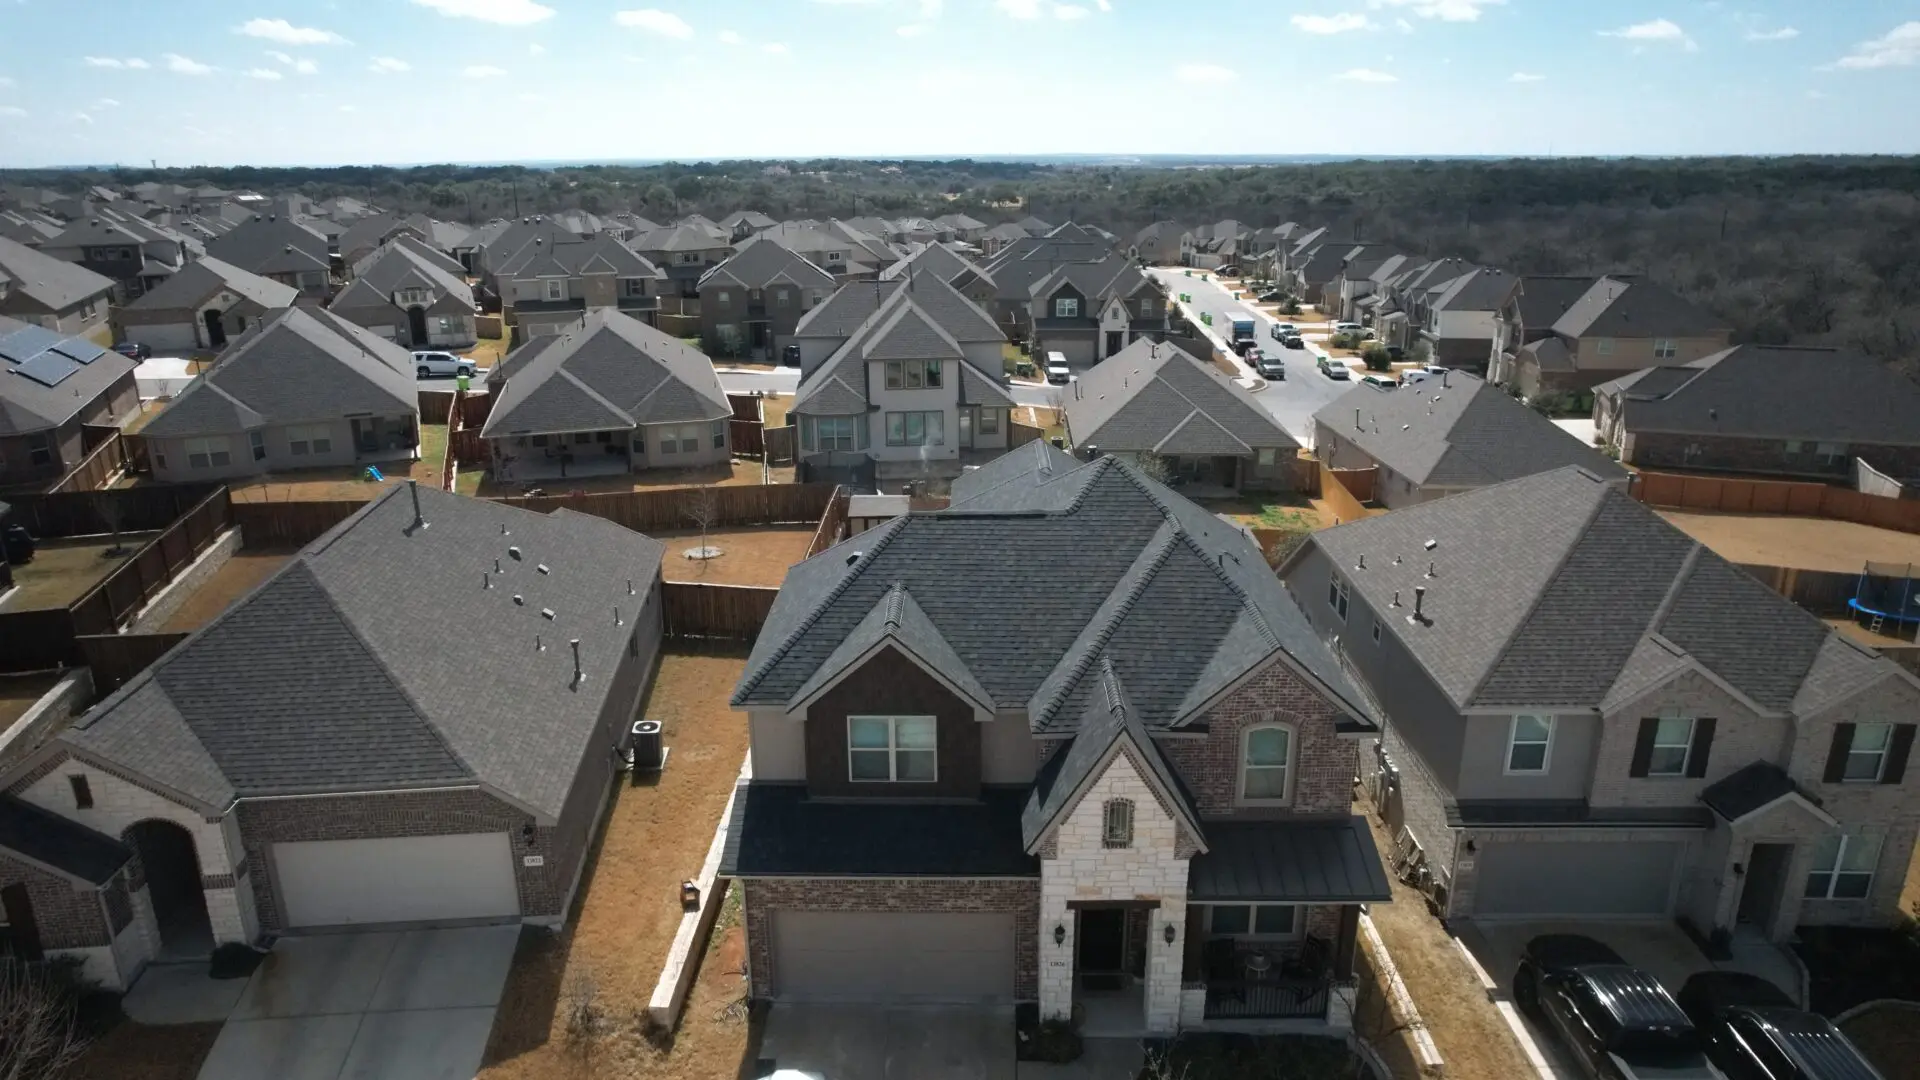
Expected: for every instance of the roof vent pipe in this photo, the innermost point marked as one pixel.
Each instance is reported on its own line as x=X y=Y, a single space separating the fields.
x=1430 y=569
x=486 y=580
x=1396 y=599
x=1363 y=563
x=413 y=489
x=1356 y=418
x=575 y=642
x=1419 y=599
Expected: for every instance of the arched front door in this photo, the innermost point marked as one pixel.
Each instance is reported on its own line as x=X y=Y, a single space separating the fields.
x=417 y=325
x=172 y=866
x=216 y=331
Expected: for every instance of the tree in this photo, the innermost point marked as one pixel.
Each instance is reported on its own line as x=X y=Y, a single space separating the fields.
x=39 y=1026
x=701 y=505
x=1152 y=466
x=113 y=512
x=1291 y=307
x=1376 y=357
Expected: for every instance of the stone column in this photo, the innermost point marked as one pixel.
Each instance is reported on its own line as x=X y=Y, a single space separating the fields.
x=1164 y=964
x=1056 y=960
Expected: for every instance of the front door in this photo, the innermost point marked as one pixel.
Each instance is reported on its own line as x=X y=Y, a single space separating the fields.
x=216 y=331
x=966 y=429
x=1114 y=339
x=1102 y=940
x=20 y=935
x=1760 y=896
x=417 y=326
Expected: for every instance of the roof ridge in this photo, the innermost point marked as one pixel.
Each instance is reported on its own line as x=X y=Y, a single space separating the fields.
x=1246 y=600
x=560 y=371
x=886 y=534
x=1163 y=542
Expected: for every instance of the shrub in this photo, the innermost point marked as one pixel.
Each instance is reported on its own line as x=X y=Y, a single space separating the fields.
x=1376 y=357
x=1035 y=1039
x=1248 y=1057
x=1291 y=307
x=1420 y=353
x=234 y=960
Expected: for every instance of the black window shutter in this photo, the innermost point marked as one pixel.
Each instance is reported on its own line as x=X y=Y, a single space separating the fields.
x=1837 y=753
x=1897 y=754
x=1643 y=747
x=1702 y=746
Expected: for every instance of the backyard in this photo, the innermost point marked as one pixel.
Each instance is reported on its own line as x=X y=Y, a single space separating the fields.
x=347 y=482
x=246 y=569
x=63 y=571
x=1805 y=543
x=738 y=472
x=750 y=556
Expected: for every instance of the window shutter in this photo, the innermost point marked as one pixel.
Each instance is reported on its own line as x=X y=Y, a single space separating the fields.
x=1897 y=754
x=1643 y=747
x=1837 y=753
x=1702 y=746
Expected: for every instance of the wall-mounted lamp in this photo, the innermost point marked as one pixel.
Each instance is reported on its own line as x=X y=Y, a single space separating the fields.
x=1169 y=933
x=1739 y=869
x=1059 y=934
x=527 y=832
x=1472 y=847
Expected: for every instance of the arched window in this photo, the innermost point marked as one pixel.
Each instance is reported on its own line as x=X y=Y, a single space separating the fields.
x=1117 y=824
x=1266 y=763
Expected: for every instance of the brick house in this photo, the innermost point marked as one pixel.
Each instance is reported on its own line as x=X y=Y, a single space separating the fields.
x=750 y=304
x=1589 y=715
x=1558 y=334
x=1791 y=411
x=311 y=759
x=1136 y=808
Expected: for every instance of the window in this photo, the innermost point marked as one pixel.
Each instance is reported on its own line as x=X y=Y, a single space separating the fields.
x=1831 y=453
x=782 y=298
x=39 y=449
x=1795 y=446
x=1843 y=867
x=1665 y=349
x=1067 y=307
x=1672 y=740
x=916 y=429
x=1264 y=756
x=718 y=429
x=1603 y=346
x=832 y=432
x=1376 y=631
x=1337 y=596
x=753 y=296
x=1867 y=754
x=894 y=749
x=209 y=453
x=836 y=256
x=688 y=258
x=817 y=297
x=723 y=296
x=1116 y=829
x=582 y=438
x=258 y=443
x=1253 y=920
x=913 y=374
x=556 y=290
x=679 y=438
x=1528 y=743
x=82 y=792
x=1146 y=307
x=989 y=422
x=633 y=287
x=537 y=440
x=311 y=438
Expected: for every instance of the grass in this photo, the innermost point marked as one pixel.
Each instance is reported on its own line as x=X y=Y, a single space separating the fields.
x=737 y=473
x=1011 y=359
x=347 y=482
x=1847 y=966
x=241 y=573
x=1052 y=422
x=488 y=352
x=63 y=571
x=130 y=1051
x=1293 y=513
x=773 y=409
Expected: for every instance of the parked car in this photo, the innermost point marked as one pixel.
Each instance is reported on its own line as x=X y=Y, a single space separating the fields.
x=428 y=364
x=1412 y=376
x=790 y=356
x=1292 y=341
x=1333 y=369
x=1754 y=1032
x=1274 y=296
x=1245 y=348
x=1615 y=1021
x=1396 y=353
x=1379 y=382
x=1282 y=329
x=1270 y=367
x=1057 y=370
x=1347 y=328
x=133 y=350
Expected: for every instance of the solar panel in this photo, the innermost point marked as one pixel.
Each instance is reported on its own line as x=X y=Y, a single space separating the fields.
x=86 y=352
x=48 y=368
x=26 y=343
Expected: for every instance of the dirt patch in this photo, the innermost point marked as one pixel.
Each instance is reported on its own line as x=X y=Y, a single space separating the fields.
x=1890 y=1038
x=241 y=573
x=656 y=834
x=739 y=472
x=1295 y=513
x=18 y=693
x=1805 y=543
x=774 y=408
x=63 y=571
x=133 y=1051
x=348 y=482
x=750 y=556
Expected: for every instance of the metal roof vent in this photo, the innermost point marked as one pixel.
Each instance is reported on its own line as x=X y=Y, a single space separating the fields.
x=520 y=600
x=1431 y=544
x=855 y=557
x=514 y=552
x=546 y=613
x=543 y=568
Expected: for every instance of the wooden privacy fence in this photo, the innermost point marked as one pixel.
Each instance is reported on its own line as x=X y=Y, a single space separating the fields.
x=116 y=658
x=131 y=584
x=100 y=465
x=833 y=522
x=290 y=524
x=1021 y=434
x=36 y=640
x=780 y=444
x=1824 y=592
x=730 y=612
x=1734 y=495
x=1337 y=488
x=666 y=510
x=87 y=513
x=435 y=406
x=747 y=438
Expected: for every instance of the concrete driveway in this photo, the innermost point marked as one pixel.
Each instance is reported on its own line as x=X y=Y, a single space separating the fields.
x=414 y=1004
x=871 y=1042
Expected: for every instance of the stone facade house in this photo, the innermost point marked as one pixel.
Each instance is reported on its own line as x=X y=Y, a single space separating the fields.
x=1135 y=810
x=1588 y=715
x=1561 y=335
x=311 y=761
x=1090 y=311
x=51 y=388
x=750 y=304
x=200 y=306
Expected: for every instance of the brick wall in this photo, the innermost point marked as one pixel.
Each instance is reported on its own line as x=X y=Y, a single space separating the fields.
x=1323 y=764
x=1740 y=738
x=761 y=898
x=1422 y=804
x=1891 y=811
x=68 y=915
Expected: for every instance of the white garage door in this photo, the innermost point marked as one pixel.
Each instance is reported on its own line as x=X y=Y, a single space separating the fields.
x=1571 y=878
x=165 y=338
x=874 y=956
x=401 y=880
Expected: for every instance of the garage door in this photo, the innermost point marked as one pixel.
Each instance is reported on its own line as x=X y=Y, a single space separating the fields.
x=870 y=956
x=402 y=880
x=165 y=337
x=1538 y=879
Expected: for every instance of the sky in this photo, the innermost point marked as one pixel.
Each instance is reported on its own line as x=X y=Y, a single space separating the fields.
x=266 y=82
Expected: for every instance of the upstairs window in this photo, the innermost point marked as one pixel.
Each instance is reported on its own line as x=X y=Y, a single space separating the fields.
x=913 y=374
x=891 y=749
x=1067 y=307
x=556 y=290
x=1337 y=596
x=1867 y=754
x=1117 y=824
x=1528 y=744
x=1665 y=349
x=1266 y=754
x=1672 y=743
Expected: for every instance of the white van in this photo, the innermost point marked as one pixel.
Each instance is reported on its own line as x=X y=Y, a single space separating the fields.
x=1057 y=371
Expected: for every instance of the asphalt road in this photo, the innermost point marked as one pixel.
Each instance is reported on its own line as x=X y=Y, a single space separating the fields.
x=1305 y=390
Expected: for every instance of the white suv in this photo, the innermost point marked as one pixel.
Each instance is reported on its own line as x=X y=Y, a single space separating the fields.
x=428 y=364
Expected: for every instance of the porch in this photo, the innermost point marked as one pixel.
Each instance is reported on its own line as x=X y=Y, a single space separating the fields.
x=571 y=455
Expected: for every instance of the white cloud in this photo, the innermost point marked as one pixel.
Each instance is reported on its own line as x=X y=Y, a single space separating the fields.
x=286 y=33
x=1104 y=5
x=1070 y=12
x=1898 y=47
x=774 y=48
x=1444 y=10
x=655 y=21
x=1366 y=75
x=1205 y=73
x=83 y=118
x=1330 y=24
x=12 y=110
x=1403 y=26
x=536 y=49
x=482 y=71
x=1663 y=31
x=280 y=56
x=138 y=64
x=104 y=103
x=389 y=65
x=267 y=74
x=182 y=65
x=306 y=67
x=1020 y=9
x=1526 y=76
x=1785 y=33
x=729 y=37
x=930 y=9
x=112 y=62
x=504 y=12
x=348 y=108
x=912 y=30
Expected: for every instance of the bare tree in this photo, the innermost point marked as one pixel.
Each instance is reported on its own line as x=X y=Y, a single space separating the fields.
x=39 y=1034
x=112 y=511
x=1152 y=466
x=702 y=507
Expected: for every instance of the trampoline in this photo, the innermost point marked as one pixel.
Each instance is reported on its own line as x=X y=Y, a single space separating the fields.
x=1887 y=593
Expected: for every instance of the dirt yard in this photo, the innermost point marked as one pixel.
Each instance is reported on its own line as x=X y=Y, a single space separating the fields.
x=348 y=482
x=656 y=835
x=737 y=473
x=240 y=574
x=133 y=1051
x=19 y=692
x=1890 y=1037
x=755 y=556
x=1805 y=543
x=63 y=571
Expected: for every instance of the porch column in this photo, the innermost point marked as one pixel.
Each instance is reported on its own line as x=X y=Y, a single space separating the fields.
x=1166 y=963
x=1056 y=960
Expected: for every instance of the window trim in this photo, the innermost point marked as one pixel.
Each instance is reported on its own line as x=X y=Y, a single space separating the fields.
x=1339 y=595
x=1244 y=768
x=893 y=749
x=1546 y=755
x=1066 y=307
x=1685 y=748
x=1833 y=871
x=1116 y=824
x=1880 y=767
x=82 y=789
x=1253 y=920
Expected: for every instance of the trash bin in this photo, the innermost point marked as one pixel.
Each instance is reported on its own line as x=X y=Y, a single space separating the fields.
x=462 y=382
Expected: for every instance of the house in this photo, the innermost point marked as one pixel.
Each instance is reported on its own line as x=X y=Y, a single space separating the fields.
x=1160 y=244
x=742 y=224
x=1360 y=274
x=963 y=226
x=1002 y=285
x=1090 y=311
x=51 y=387
x=1102 y=812
x=137 y=255
x=54 y=294
x=1590 y=715
x=408 y=294
x=938 y=260
x=200 y=306
x=364 y=236
x=548 y=287
x=999 y=237
x=839 y=249
x=1791 y=411
x=1158 y=402
x=312 y=760
x=282 y=250
x=684 y=252
x=1034 y=226
x=1396 y=308
x=909 y=386
x=29 y=227
x=609 y=394
x=300 y=388
x=1612 y=326
x=1459 y=316
x=750 y=304
x=1437 y=438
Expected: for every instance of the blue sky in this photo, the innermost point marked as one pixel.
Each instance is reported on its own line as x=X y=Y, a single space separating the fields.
x=353 y=81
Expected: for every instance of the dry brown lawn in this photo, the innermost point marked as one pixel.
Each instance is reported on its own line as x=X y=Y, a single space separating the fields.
x=229 y=583
x=656 y=834
x=19 y=692
x=752 y=556
x=774 y=408
x=737 y=473
x=133 y=1051
x=63 y=571
x=348 y=482
x=488 y=352
x=1806 y=543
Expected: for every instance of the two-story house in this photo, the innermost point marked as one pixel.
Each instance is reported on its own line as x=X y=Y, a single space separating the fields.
x=964 y=227
x=1088 y=311
x=1590 y=715
x=1791 y=411
x=1361 y=274
x=549 y=286
x=138 y=256
x=742 y=224
x=51 y=387
x=409 y=293
x=282 y=250
x=1136 y=809
x=750 y=304
x=1007 y=277
x=1159 y=244
x=55 y=294
x=684 y=253
x=201 y=306
x=1580 y=332
x=1458 y=317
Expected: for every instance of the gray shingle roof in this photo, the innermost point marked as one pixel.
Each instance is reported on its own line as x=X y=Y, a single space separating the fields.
x=1614 y=308
x=1463 y=433
x=558 y=256
x=27 y=406
x=1545 y=297
x=400 y=264
x=612 y=371
x=1033 y=462
x=322 y=681
x=1477 y=290
x=935 y=260
x=54 y=283
x=272 y=245
x=1152 y=397
x=763 y=261
x=294 y=365
x=846 y=310
x=1778 y=392
x=68 y=847
x=189 y=287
